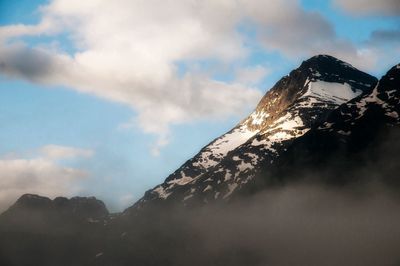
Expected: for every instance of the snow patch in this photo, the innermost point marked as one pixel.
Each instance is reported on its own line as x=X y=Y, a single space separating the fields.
x=288 y=123
x=393 y=114
x=331 y=91
x=161 y=192
x=231 y=140
x=287 y=127
x=217 y=150
x=231 y=189
x=207 y=188
x=257 y=142
x=244 y=166
x=257 y=118
x=254 y=158
x=371 y=98
x=344 y=133
x=308 y=102
x=228 y=176
x=236 y=158
x=187 y=197
x=181 y=181
x=191 y=194
x=390 y=93
x=326 y=125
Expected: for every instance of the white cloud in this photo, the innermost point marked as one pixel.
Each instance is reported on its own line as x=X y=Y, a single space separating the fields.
x=161 y=142
x=131 y=57
x=251 y=75
x=40 y=175
x=383 y=45
x=285 y=27
x=55 y=152
x=128 y=51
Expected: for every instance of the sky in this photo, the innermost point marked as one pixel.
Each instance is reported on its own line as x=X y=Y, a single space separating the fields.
x=106 y=98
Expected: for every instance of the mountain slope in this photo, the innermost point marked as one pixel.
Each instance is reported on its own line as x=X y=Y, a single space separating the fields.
x=291 y=108
x=358 y=142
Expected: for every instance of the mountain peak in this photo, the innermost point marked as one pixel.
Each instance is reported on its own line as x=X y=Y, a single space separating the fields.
x=340 y=80
x=32 y=201
x=330 y=69
x=323 y=59
x=388 y=92
x=295 y=104
x=394 y=71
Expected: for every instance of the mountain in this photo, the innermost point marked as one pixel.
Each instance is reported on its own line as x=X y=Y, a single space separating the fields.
x=297 y=102
x=244 y=196
x=39 y=231
x=325 y=123
x=79 y=209
x=357 y=143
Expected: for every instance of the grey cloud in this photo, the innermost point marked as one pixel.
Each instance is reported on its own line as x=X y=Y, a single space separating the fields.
x=385 y=45
x=370 y=7
x=21 y=62
x=385 y=37
x=300 y=32
x=295 y=32
x=37 y=65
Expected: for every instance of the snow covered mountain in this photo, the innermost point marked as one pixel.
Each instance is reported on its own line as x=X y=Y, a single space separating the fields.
x=357 y=143
x=296 y=103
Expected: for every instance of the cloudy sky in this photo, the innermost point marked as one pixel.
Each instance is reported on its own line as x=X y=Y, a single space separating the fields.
x=106 y=98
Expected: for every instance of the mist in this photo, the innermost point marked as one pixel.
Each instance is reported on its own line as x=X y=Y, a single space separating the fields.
x=306 y=225
x=300 y=224
x=306 y=220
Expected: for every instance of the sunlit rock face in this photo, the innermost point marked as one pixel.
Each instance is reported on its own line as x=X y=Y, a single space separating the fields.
x=299 y=101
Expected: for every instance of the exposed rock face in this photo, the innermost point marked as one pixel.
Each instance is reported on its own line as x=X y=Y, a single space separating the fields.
x=297 y=102
x=359 y=140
